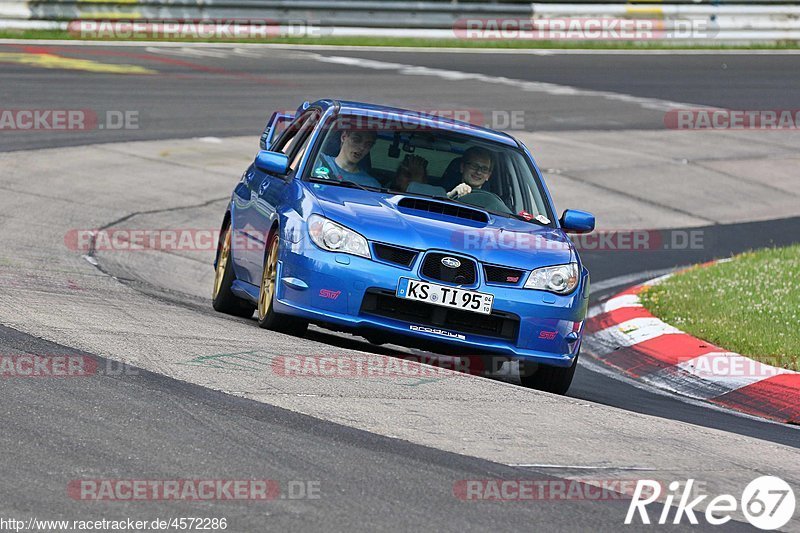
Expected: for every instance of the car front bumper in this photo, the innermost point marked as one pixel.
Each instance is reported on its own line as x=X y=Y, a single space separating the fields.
x=330 y=287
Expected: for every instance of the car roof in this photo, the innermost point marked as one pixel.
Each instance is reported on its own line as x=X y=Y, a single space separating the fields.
x=348 y=107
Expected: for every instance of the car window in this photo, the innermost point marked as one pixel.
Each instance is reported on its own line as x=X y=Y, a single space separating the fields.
x=285 y=140
x=384 y=162
x=498 y=177
x=280 y=126
x=296 y=133
x=301 y=150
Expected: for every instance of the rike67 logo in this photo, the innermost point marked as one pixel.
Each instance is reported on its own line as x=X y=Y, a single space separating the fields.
x=767 y=502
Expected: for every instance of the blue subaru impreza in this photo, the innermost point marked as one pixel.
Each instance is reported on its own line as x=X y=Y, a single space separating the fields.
x=405 y=227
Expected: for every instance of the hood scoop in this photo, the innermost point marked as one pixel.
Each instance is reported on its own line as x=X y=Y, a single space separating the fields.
x=422 y=205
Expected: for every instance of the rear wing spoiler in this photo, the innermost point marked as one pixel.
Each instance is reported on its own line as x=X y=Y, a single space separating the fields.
x=275 y=126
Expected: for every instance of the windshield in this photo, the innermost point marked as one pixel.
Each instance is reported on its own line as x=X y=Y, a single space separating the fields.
x=449 y=166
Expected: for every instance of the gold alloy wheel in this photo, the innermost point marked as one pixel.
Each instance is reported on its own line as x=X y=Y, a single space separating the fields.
x=222 y=262
x=268 y=280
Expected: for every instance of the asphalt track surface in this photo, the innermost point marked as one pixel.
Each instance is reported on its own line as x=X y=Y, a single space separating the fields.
x=225 y=92
x=168 y=427
x=373 y=482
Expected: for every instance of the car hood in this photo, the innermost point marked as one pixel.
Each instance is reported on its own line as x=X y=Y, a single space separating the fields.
x=500 y=241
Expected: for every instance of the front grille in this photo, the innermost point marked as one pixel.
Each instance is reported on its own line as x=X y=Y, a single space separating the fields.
x=465 y=274
x=393 y=254
x=498 y=274
x=442 y=208
x=498 y=325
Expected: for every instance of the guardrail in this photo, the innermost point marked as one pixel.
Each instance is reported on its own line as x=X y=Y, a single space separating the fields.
x=730 y=20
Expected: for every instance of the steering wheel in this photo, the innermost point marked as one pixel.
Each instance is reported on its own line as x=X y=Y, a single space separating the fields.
x=485 y=199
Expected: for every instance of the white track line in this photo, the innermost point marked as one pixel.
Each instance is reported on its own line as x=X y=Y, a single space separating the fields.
x=626 y=280
x=553 y=89
x=579 y=467
x=423 y=49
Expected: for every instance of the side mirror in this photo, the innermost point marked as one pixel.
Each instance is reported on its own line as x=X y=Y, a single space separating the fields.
x=574 y=221
x=272 y=162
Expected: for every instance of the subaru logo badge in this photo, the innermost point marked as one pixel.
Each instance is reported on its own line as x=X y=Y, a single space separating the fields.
x=451 y=262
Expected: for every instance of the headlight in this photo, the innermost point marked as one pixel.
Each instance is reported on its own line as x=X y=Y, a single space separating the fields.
x=334 y=237
x=561 y=279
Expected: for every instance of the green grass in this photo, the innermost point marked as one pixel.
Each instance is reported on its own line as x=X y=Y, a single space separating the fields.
x=436 y=43
x=749 y=305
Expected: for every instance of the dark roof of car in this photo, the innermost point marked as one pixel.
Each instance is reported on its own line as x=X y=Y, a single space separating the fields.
x=416 y=117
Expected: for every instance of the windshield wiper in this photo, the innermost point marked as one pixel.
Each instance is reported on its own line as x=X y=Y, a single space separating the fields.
x=353 y=185
x=347 y=183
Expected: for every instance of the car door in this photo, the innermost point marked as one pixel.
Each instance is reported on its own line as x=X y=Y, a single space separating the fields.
x=267 y=191
x=241 y=239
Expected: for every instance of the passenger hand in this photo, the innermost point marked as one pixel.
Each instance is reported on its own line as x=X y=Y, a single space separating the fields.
x=417 y=167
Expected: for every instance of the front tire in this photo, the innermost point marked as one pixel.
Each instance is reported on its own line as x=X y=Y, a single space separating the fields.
x=222 y=298
x=375 y=339
x=267 y=317
x=547 y=378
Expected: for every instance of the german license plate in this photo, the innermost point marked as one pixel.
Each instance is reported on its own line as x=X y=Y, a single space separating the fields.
x=422 y=291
